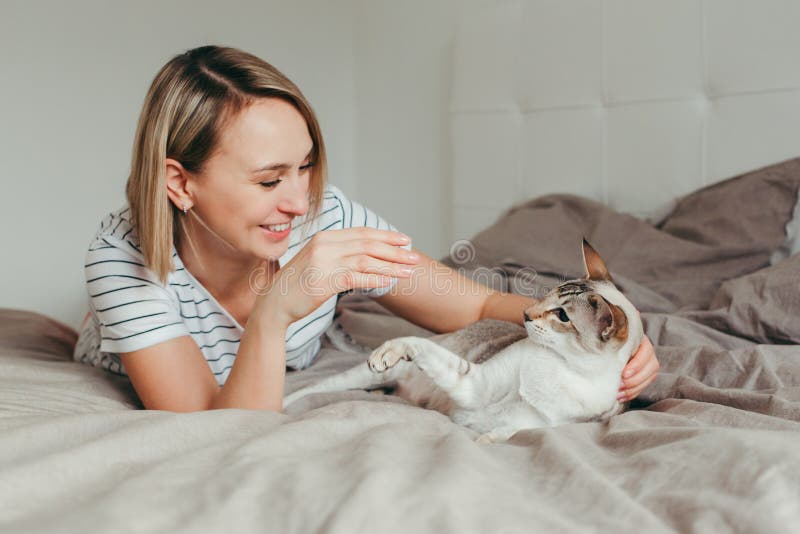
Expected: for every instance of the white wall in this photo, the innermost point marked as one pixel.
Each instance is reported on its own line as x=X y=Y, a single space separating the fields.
x=403 y=71
x=74 y=77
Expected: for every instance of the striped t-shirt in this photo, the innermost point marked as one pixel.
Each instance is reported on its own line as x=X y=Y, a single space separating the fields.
x=129 y=309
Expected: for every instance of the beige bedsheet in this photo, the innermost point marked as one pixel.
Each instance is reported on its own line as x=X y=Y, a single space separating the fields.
x=712 y=446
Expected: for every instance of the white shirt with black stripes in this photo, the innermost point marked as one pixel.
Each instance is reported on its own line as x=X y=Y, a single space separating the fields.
x=129 y=309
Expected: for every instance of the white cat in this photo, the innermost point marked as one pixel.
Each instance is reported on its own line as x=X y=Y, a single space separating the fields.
x=567 y=369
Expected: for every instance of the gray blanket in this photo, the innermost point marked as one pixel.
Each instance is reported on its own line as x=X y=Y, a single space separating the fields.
x=713 y=445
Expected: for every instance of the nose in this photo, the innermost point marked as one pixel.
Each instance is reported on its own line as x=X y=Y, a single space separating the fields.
x=295 y=199
x=525 y=314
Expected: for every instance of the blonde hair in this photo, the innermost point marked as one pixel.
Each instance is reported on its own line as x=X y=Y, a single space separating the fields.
x=190 y=101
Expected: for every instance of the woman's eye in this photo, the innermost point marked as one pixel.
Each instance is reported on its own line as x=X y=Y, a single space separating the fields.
x=306 y=166
x=270 y=185
x=562 y=315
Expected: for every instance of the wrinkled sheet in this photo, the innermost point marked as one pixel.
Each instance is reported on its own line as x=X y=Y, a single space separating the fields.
x=713 y=445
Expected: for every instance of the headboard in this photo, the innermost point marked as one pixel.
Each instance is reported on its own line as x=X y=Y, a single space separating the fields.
x=629 y=102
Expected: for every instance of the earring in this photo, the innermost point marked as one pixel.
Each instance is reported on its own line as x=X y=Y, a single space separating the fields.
x=185 y=209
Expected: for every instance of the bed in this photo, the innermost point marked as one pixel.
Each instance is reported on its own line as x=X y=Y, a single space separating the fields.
x=712 y=263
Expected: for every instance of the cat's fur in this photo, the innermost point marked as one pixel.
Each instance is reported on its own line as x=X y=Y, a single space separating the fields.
x=562 y=372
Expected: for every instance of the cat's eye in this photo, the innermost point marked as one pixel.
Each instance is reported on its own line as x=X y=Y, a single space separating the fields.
x=562 y=315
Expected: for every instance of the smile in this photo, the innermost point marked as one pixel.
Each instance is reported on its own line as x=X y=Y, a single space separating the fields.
x=277 y=232
x=277 y=227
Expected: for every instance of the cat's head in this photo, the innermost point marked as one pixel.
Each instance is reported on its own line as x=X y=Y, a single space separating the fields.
x=586 y=316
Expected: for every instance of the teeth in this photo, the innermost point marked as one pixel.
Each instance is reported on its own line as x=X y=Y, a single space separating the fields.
x=278 y=227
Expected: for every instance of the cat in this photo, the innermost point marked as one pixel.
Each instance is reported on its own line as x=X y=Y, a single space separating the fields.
x=566 y=369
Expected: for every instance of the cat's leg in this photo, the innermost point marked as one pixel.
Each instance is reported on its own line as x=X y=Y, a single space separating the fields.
x=359 y=377
x=459 y=378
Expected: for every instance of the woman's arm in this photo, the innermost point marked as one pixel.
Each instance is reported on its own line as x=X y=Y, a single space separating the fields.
x=173 y=375
x=506 y=307
x=441 y=299
x=258 y=375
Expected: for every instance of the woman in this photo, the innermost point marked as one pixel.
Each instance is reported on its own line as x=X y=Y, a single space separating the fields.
x=225 y=266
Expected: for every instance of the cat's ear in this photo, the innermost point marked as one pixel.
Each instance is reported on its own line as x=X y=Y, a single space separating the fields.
x=595 y=267
x=612 y=320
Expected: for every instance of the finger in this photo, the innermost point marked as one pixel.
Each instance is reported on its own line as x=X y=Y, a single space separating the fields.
x=650 y=368
x=379 y=250
x=361 y=280
x=639 y=358
x=366 y=232
x=347 y=280
x=631 y=387
x=374 y=273
x=632 y=393
x=370 y=265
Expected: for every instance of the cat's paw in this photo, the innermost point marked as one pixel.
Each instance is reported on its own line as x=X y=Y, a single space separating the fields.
x=391 y=352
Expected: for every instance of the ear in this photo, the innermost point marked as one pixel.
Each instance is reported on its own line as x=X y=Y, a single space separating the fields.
x=595 y=267
x=177 y=181
x=613 y=322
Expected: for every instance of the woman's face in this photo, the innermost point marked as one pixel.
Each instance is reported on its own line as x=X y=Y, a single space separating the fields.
x=259 y=175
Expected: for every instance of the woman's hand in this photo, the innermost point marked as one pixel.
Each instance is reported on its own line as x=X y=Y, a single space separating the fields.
x=639 y=372
x=334 y=261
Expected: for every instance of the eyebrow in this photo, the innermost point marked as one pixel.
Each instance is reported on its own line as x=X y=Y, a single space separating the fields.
x=279 y=166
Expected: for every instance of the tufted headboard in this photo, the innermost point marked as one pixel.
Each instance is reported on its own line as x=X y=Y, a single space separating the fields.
x=629 y=102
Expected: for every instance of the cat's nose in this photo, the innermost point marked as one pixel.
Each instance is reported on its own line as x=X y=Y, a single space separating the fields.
x=525 y=314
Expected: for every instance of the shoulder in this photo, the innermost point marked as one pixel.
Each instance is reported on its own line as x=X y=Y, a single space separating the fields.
x=114 y=253
x=332 y=190
x=350 y=213
x=334 y=195
x=334 y=201
x=333 y=214
x=115 y=232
